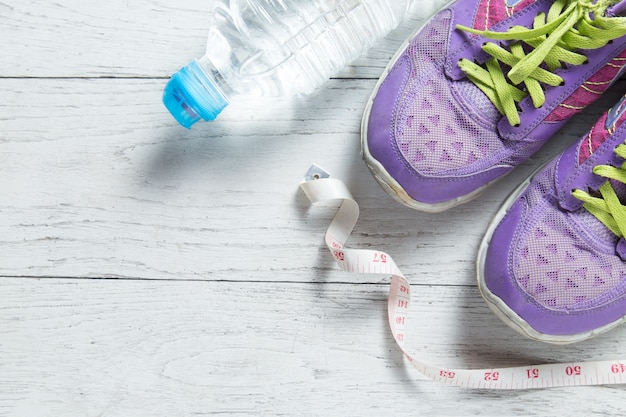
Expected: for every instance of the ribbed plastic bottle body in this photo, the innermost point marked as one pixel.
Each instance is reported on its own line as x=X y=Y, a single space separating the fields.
x=282 y=48
x=276 y=48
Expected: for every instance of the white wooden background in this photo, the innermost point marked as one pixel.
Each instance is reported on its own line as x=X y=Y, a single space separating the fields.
x=148 y=270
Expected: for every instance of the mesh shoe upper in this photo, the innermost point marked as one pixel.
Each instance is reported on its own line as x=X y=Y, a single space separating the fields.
x=432 y=131
x=551 y=267
x=436 y=127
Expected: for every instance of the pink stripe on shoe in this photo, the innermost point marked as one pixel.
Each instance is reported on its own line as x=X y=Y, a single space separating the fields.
x=490 y=12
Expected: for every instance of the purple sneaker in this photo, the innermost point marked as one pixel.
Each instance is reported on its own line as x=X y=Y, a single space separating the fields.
x=475 y=92
x=553 y=262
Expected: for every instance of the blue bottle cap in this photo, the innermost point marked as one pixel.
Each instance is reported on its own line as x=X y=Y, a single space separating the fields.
x=190 y=95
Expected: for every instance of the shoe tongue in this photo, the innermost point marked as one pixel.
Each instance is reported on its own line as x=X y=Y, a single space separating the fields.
x=618 y=9
x=478 y=101
x=594 y=225
x=620 y=190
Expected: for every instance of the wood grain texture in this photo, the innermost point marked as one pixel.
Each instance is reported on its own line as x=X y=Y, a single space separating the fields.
x=98 y=182
x=147 y=38
x=149 y=270
x=150 y=348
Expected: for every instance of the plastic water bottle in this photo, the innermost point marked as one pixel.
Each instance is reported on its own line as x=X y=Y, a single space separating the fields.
x=276 y=48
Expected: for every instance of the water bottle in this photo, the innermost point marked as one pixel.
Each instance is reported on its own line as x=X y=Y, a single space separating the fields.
x=275 y=48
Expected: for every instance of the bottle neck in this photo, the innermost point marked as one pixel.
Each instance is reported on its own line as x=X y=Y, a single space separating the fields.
x=216 y=78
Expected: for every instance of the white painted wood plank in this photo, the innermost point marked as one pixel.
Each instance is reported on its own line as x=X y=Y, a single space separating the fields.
x=149 y=348
x=145 y=38
x=81 y=153
x=98 y=180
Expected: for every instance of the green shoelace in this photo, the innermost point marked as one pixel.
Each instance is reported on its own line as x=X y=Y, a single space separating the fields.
x=570 y=25
x=608 y=208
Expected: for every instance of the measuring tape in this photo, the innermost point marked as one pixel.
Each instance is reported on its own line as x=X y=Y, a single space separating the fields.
x=319 y=187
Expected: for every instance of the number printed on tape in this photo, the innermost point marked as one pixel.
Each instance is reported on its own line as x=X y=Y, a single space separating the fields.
x=320 y=188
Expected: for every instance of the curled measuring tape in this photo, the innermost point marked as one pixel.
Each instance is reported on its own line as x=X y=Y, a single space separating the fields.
x=319 y=187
